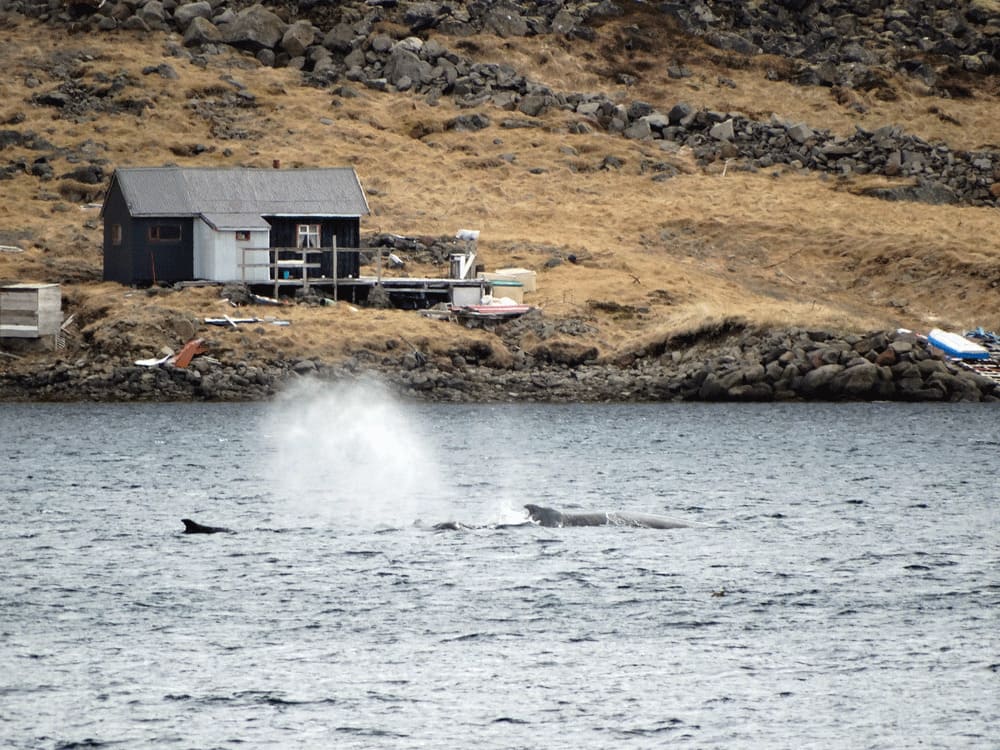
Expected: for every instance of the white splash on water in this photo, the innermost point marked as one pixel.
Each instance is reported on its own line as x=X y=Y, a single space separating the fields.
x=349 y=453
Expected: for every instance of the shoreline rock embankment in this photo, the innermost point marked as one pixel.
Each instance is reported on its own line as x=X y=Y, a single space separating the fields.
x=740 y=366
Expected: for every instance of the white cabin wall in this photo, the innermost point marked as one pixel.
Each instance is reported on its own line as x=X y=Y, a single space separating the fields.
x=218 y=255
x=261 y=240
x=204 y=250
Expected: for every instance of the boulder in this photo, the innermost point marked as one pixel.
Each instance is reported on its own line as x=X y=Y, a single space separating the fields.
x=924 y=191
x=341 y=38
x=135 y=23
x=723 y=131
x=298 y=38
x=639 y=130
x=679 y=112
x=201 y=31
x=712 y=389
x=534 y=105
x=474 y=121
x=421 y=16
x=184 y=14
x=152 y=13
x=800 y=133
x=254 y=29
x=91 y=174
x=505 y=21
x=406 y=64
x=819 y=382
x=732 y=42
x=858 y=381
x=564 y=23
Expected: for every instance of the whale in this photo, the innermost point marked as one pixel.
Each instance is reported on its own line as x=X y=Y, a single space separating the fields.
x=553 y=518
x=193 y=527
x=462 y=526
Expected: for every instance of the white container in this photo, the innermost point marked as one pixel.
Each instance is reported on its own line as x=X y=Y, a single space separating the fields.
x=526 y=277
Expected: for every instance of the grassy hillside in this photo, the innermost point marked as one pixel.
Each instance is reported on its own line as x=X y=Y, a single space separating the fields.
x=775 y=246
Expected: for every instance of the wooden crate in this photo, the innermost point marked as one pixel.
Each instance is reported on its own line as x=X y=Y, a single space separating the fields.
x=30 y=311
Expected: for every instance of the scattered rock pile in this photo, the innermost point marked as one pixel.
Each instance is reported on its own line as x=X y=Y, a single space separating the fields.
x=856 y=43
x=740 y=365
x=942 y=175
x=850 y=43
x=744 y=366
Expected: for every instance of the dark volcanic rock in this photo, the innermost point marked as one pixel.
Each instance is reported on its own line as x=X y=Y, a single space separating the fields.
x=254 y=28
x=745 y=365
x=845 y=44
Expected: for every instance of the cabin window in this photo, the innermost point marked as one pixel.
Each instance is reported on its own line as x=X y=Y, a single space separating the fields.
x=242 y=236
x=116 y=234
x=308 y=235
x=165 y=232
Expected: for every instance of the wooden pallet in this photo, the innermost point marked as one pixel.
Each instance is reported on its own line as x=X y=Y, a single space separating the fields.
x=989 y=368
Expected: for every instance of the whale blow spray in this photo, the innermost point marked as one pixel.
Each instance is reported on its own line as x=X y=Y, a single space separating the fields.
x=349 y=453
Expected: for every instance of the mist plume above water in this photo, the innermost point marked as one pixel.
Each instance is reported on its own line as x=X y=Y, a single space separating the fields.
x=348 y=453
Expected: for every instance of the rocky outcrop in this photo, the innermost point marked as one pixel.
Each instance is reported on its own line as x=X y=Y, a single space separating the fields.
x=856 y=43
x=939 y=174
x=846 y=44
x=850 y=43
x=739 y=365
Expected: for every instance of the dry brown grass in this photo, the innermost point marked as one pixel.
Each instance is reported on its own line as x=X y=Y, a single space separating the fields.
x=771 y=248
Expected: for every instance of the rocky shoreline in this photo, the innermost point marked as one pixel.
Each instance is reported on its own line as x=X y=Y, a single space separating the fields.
x=730 y=365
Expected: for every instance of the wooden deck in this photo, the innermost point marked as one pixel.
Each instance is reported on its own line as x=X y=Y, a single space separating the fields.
x=298 y=268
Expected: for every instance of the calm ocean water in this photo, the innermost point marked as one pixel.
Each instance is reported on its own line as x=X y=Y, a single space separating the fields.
x=845 y=592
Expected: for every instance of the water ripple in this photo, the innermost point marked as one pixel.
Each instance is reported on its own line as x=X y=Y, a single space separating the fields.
x=837 y=583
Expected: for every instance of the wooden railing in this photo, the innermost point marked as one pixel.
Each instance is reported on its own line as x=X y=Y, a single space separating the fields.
x=291 y=266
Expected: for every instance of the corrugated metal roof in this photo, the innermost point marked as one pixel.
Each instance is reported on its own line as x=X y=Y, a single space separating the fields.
x=235 y=221
x=189 y=191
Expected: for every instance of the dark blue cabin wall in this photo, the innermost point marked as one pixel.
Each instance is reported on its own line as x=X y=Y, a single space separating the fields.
x=348 y=236
x=137 y=259
x=346 y=231
x=162 y=261
x=117 y=258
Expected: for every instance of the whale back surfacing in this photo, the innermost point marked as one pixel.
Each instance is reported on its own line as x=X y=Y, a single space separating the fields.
x=646 y=521
x=554 y=518
x=545 y=516
x=586 y=519
x=193 y=527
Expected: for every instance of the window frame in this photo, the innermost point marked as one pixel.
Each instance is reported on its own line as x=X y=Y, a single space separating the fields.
x=154 y=232
x=305 y=232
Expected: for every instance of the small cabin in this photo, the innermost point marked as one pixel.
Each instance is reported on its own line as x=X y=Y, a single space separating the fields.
x=170 y=224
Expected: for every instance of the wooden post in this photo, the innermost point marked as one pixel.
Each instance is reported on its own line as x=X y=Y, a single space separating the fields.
x=336 y=271
x=305 y=269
